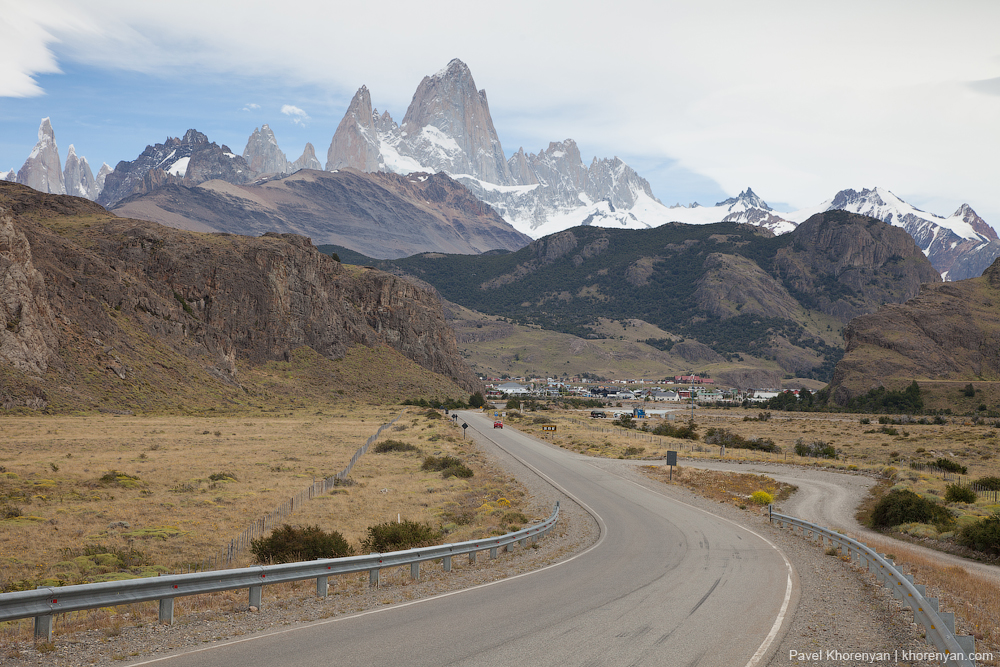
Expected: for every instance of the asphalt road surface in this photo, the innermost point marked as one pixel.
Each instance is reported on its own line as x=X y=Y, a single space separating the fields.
x=666 y=584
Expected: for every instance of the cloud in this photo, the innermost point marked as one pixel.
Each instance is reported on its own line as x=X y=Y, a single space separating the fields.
x=791 y=98
x=299 y=117
x=250 y=106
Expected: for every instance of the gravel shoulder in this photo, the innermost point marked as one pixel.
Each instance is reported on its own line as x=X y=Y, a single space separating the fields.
x=837 y=608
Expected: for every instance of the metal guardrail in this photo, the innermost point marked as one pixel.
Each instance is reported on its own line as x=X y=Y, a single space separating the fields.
x=939 y=627
x=43 y=602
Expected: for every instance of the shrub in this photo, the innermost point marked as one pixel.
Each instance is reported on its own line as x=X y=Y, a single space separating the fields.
x=222 y=477
x=983 y=535
x=476 y=400
x=969 y=390
x=634 y=451
x=395 y=446
x=989 y=483
x=817 y=449
x=449 y=466
x=287 y=544
x=761 y=498
x=951 y=466
x=687 y=431
x=433 y=414
x=905 y=506
x=726 y=438
x=392 y=536
x=959 y=494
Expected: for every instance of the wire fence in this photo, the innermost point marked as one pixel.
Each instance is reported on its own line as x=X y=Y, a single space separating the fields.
x=241 y=543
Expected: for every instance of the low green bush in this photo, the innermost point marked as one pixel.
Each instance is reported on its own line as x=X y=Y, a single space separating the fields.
x=288 y=544
x=904 y=506
x=761 y=498
x=397 y=536
x=959 y=494
x=983 y=535
x=448 y=466
x=726 y=438
x=951 y=466
x=395 y=446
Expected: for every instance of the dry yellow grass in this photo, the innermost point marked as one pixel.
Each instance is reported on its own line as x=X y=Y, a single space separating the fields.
x=974 y=599
x=728 y=487
x=177 y=515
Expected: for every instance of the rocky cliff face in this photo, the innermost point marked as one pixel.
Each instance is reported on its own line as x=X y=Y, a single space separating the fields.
x=262 y=154
x=307 y=160
x=124 y=290
x=356 y=143
x=448 y=125
x=859 y=264
x=78 y=177
x=43 y=168
x=189 y=160
x=951 y=331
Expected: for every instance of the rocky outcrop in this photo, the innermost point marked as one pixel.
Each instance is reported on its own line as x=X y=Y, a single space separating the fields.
x=135 y=290
x=27 y=337
x=734 y=285
x=951 y=331
x=845 y=264
x=307 y=160
x=78 y=177
x=448 y=126
x=189 y=160
x=42 y=170
x=262 y=154
x=356 y=143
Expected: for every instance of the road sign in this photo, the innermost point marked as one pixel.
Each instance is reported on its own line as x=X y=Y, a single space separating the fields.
x=549 y=428
x=671 y=458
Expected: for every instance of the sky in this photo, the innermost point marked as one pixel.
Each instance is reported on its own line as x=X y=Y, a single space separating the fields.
x=797 y=100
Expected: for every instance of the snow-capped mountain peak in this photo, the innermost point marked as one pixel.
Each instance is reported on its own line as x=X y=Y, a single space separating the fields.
x=745 y=200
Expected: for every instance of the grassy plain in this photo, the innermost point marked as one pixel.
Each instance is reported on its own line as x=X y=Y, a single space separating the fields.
x=173 y=490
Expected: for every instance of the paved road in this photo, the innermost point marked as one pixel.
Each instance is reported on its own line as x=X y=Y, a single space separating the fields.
x=830 y=499
x=666 y=584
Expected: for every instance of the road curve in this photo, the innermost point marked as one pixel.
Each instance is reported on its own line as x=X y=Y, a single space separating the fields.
x=666 y=584
x=830 y=499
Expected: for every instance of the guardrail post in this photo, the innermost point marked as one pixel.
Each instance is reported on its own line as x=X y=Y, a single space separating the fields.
x=167 y=611
x=446 y=561
x=968 y=644
x=255 y=595
x=493 y=553
x=43 y=624
x=524 y=542
x=322 y=587
x=373 y=577
x=948 y=617
x=415 y=570
x=43 y=627
x=932 y=603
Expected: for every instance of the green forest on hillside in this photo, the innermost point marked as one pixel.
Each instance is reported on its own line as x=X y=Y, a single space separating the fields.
x=568 y=294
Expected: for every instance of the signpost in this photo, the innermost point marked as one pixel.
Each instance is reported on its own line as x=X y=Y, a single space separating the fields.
x=464 y=426
x=671 y=461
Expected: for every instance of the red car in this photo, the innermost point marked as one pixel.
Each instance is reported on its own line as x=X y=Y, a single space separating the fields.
x=497 y=424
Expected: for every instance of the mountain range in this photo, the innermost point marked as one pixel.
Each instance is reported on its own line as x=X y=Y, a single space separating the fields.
x=722 y=293
x=106 y=313
x=448 y=129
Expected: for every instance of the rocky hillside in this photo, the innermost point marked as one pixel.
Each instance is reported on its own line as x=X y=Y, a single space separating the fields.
x=380 y=215
x=950 y=332
x=722 y=292
x=112 y=313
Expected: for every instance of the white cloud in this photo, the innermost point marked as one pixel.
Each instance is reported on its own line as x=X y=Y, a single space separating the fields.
x=250 y=106
x=795 y=99
x=299 y=117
